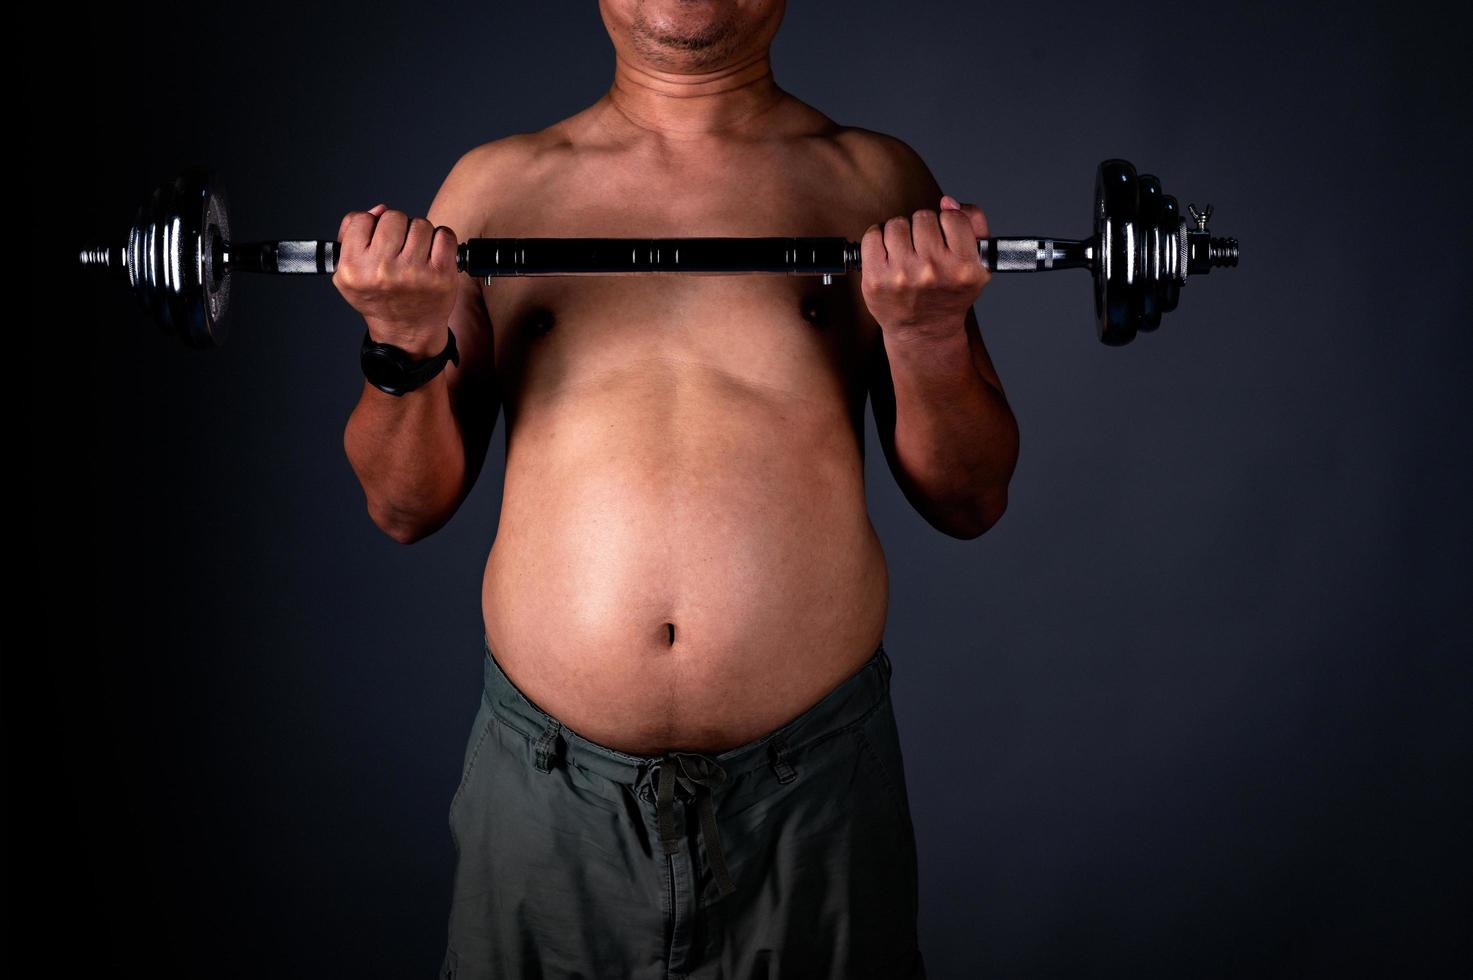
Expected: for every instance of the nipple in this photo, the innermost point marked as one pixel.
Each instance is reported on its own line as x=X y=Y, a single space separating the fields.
x=539 y=322
x=814 y=312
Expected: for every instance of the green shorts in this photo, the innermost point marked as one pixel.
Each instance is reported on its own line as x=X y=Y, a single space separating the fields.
x=792 y=856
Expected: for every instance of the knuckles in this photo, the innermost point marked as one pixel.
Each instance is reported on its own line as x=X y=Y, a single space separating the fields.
x=923 y=274
x=368 y=274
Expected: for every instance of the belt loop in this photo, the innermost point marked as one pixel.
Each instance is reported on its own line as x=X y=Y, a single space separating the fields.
x=781 y=767
x=547 y=746
x=884 y=661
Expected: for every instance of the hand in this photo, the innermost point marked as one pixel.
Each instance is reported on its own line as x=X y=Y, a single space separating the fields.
x=919 y=275
x=400 y=275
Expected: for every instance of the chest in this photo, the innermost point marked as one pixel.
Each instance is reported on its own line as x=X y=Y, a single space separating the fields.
x=776 y=332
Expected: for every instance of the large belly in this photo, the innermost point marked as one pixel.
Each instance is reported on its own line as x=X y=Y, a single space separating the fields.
x=671 y=501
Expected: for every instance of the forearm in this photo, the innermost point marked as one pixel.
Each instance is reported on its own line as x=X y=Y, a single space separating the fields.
x=956 y=440
x=409 y=456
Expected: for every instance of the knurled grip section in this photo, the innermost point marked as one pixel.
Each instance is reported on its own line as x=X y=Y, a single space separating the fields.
x=306 y=258
x=1017 y=255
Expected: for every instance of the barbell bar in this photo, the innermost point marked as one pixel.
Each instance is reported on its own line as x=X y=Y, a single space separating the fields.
x=179 y=259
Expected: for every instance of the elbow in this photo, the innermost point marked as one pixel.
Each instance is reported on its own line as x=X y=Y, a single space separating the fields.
x=399 y=527
x=993 y=510
x=984 y=513
x=404 y=534
x=980 y=519
x=406 y=525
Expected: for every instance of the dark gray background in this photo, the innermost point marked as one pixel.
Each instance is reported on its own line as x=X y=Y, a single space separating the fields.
x=1197 y=706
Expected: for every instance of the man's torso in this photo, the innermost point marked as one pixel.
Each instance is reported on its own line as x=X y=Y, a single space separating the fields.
x=684 y=453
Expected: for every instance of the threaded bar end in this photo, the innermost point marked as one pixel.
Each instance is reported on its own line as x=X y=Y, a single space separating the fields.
x=1222 y=252
x=105 y=256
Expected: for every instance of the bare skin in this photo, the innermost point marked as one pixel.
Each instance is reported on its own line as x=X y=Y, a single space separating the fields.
x=684 y=558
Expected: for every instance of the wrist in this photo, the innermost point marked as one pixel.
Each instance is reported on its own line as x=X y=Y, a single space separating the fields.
x=925 y=335
x=396 y=371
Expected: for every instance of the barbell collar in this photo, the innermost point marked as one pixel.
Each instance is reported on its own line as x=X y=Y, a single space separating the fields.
x=1205 y=252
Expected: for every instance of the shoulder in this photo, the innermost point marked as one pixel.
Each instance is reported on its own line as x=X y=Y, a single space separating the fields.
x=512 y=150
x=890 y=167
x=482 y=166
x=484 y=175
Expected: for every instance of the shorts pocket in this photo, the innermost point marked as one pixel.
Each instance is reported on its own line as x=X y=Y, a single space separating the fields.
x=879 y=745
x=480 y=732
x=879 y=749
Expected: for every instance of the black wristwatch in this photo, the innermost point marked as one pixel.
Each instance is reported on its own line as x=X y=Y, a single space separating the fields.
x=392 y=370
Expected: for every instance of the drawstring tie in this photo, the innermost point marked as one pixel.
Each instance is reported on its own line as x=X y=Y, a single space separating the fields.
x=697 y=775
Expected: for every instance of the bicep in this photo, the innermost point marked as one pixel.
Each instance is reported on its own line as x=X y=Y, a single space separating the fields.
x=474 y=396
x=882 y=402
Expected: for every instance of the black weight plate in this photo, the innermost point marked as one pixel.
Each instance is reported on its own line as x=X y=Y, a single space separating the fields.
x=1149 y=245
x=192 y=313
x=145 y=258
x=213 y=273
x=1117 y=302
x=1171 y=225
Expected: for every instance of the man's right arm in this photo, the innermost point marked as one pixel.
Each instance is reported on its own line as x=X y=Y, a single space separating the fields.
x=417 y=455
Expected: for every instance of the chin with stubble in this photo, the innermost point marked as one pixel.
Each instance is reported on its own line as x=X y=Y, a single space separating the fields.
x=696 y=35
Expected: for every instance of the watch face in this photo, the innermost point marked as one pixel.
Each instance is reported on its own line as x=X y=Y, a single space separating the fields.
x=382 y=370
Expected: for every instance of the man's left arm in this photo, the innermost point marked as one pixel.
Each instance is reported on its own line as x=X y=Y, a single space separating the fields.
x=943 y=420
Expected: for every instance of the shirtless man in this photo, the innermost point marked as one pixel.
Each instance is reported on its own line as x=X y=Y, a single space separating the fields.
x=685 y=763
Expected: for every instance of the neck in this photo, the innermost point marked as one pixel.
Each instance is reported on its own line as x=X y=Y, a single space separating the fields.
x=689 y=106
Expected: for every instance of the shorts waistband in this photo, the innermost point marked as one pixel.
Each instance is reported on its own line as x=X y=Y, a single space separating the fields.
x=848 y=703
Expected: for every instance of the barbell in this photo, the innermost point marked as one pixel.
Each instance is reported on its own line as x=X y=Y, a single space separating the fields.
x=179 y=259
